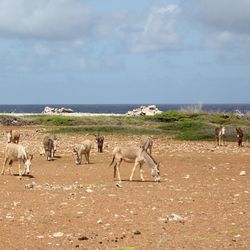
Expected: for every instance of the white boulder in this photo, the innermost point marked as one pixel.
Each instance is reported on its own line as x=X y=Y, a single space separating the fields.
x=144 y=110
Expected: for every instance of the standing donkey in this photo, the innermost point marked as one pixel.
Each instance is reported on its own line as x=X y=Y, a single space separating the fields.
x=100 y=141
x=13 y=136
x=138 y=156
x=219 y=134
x=240 y=135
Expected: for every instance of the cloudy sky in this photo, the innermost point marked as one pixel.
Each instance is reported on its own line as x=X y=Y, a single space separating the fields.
x=124 y=51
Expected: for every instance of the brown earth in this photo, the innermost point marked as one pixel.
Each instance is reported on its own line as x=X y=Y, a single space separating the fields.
x=80 y=207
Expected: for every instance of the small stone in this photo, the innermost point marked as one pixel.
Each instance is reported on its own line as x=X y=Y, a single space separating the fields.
x=236 y=238
x=173 y=217
x=99 y=221
x=243 y=173
x=29 y=186
x=88 y=190
x=136 y=232
x=58 y=234
x=83 y=238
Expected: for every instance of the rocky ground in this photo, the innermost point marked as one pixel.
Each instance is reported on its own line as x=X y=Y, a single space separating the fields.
x=202 y=202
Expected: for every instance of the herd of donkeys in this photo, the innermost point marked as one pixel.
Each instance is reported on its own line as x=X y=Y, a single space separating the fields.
x=138 y=154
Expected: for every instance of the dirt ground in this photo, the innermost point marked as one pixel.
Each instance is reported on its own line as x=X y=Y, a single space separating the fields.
x=66 y=206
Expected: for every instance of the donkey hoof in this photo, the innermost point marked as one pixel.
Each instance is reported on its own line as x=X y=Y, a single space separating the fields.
x=118 y=185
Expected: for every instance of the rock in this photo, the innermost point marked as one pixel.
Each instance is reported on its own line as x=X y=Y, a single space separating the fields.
x=88 y=190
x=83 y=238
x=99 y=221
x=29 y=186
x=236 y=238
x=49 y=110
x=58 y=234
x=243 y=173
x=173 y=217
x=136 y=232
x=144 y=110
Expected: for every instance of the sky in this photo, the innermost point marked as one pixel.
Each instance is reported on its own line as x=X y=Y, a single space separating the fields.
x=117 y=51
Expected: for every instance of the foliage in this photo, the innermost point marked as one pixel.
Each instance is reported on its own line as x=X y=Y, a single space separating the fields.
x=181 y=125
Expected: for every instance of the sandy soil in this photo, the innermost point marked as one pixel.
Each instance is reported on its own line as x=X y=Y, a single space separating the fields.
x=79 y=207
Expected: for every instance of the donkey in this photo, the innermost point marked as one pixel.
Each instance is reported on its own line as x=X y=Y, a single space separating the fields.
x=240 y=135
x=17 y=152
x=138 y=156
x=48 y=148
x=79 y=150
x=13 y=136
x=100 y=141
x=219 y=135
x=147 y=143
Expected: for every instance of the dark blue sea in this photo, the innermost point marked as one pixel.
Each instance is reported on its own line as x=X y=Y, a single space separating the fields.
x=123 y=108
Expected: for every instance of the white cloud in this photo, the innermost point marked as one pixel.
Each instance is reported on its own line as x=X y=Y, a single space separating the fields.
x=43 y=19
x=158 y=31
x=225 y=23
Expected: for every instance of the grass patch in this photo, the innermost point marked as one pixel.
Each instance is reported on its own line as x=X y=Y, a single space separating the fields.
x=107 y=130
x=175 y=124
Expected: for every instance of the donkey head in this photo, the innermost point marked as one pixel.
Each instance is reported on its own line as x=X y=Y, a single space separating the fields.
x=27 y=164
x=156 y=172
x=9 y=135
x=77 y=155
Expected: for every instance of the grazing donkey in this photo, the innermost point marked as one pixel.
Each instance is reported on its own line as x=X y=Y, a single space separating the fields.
x=81 y=149
x=17 y=152
x=219 y=135
x=100 y=141
x=147 y=143
x=13 y=136
x=138 y=156
x=240 y=135
x=49 y=147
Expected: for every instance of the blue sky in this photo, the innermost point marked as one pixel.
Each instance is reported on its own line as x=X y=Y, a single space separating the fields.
x=116 y=51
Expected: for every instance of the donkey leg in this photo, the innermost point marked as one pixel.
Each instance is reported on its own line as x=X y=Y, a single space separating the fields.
x=87 y=157
x=3 y=170
x=115 y=171
x=141 y=170
x=133 y=170
x=118 y=171
x=19 y=169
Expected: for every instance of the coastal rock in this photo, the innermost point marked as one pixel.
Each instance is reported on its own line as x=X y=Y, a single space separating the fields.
x=49 y=110
x=144 y=110
x=14 y=121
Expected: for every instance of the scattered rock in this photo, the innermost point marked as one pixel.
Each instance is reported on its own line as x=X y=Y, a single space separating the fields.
x=136 y=232
x=58 y=234
x=236 y=238
x=49 y=110
x=88 y=190
x=173 y=217
x=144 y=110
x=99 y=221
x=30 y=186
x=83 y=238
x=243 y=173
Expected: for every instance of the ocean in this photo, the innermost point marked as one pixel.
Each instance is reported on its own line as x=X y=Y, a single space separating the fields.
x=123 y=108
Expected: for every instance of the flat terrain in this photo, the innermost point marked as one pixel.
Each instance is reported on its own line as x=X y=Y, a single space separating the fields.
x=79 y=207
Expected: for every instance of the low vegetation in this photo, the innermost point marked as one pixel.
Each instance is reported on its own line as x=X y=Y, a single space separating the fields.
x=183 y=125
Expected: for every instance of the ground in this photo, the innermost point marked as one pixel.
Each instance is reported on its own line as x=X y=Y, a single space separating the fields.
x=66 y=206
